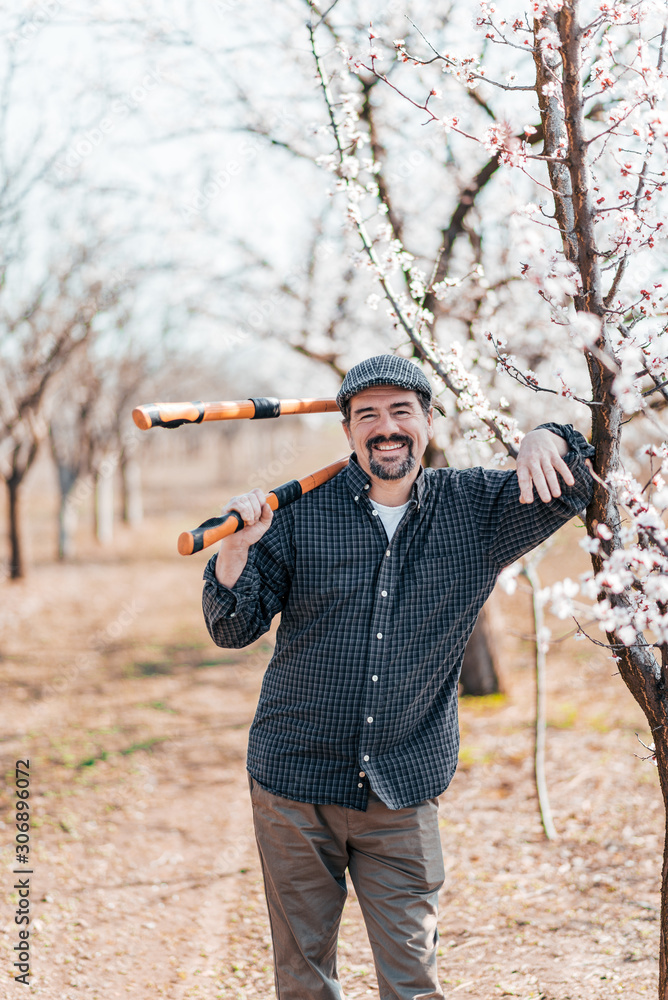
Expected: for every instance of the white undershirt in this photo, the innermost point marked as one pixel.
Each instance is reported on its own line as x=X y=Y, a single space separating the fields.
x=390 y=516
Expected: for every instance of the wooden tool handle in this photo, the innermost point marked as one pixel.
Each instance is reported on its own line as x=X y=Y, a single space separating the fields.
x=175 y=414
x=215 y=528
x=211 y=531
x=309 y=406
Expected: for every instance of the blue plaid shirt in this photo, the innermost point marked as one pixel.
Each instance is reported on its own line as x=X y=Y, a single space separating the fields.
x=362 y=688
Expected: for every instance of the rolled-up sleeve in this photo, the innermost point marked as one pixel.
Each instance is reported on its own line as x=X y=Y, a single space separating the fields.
x=576 y=441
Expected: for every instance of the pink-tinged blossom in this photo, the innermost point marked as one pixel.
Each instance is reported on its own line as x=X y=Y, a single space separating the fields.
x=561 y=597
x=353 y=215
x=418 y=283
x=444 y=288
x=328 y=161
x=507 y=579
x=627 y=635
x=548 y=6
x=543 y=639
x=585 y=329
x=548 y=38
x=349 y=167
x=589 y=544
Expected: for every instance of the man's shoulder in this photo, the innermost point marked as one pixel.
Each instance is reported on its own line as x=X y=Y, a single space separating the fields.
x=325 y=497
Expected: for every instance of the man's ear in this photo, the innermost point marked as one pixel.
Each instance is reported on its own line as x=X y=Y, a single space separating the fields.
x=346 y=430
x=430 y=423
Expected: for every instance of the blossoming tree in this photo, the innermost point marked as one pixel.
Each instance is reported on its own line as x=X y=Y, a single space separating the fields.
x=560 y=102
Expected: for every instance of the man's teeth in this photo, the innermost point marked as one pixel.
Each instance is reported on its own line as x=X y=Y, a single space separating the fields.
x=388 y=447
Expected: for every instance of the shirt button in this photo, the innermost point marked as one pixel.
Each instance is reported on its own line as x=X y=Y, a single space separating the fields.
x=387 y=552
x=375 y=677
x=366 y=487
x=366 y=756
x=379 y=635
x=370 y=719
x=362 y=774
x=233 y=614
x=360 y=785
x=356 y=498
x=383 y=593
x=375 y=513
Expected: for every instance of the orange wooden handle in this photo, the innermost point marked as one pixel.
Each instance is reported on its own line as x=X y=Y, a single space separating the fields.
x=215 y=528
x=226 y=525
x=149 y=415
x=309 y=406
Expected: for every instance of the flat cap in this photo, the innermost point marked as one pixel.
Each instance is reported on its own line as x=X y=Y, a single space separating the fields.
x=383 y=369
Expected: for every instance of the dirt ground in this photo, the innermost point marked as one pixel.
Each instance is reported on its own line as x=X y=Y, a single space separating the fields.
x=146 y=880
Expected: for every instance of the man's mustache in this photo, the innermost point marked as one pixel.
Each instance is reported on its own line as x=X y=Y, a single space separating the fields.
x=394 y=439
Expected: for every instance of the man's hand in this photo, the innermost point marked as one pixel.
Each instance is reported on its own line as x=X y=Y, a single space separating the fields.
x=539 y=463
x=233 y=552
x=256 y=514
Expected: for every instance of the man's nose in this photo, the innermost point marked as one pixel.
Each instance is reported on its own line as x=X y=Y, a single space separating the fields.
x=387 y=424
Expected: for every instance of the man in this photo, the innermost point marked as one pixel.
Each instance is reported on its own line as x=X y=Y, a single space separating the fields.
x=379 y=576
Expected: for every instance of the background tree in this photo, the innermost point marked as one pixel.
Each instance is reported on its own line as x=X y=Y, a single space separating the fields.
x=39 y=340
x=595 y=77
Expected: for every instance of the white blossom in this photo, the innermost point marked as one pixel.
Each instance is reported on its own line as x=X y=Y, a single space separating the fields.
x=507 y=578
x=627 y=635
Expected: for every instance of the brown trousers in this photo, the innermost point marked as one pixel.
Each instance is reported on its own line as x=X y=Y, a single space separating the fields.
x=395 y=861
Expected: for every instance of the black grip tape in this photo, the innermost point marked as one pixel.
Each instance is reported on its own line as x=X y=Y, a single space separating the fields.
x=154 y=414
x=288 y=492
x=266 y=406
x=214 y=522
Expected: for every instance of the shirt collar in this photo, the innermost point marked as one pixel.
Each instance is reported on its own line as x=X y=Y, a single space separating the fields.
x=358 y=481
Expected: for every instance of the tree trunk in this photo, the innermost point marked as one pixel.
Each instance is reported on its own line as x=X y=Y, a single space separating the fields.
x=479 y=670
x=66 y=523
x=133 y=509
x=16 y=564
x=663 y=970
x=637 y=665
x=104 y=509
x=67 y=478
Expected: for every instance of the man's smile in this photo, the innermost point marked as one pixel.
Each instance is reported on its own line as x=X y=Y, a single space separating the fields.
x=389 y=447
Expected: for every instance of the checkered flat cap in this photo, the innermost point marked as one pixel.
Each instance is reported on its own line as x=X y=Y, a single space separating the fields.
x=384 y=369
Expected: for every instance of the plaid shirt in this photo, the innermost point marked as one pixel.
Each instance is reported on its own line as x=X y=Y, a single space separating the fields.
x=362 y=688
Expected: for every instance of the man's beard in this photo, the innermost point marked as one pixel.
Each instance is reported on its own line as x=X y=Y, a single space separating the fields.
x=391 y=471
